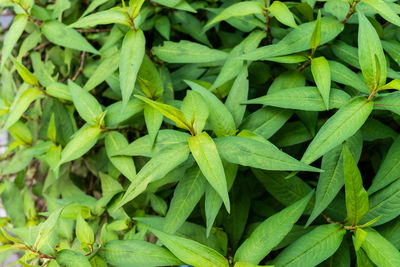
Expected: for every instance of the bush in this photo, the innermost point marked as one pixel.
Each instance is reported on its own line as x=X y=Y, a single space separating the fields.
x=201 y=132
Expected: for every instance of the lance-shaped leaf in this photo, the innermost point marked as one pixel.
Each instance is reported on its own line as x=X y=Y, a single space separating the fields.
x=370 y=53
x=322 y=77
x=81 y=143
x=168 y=111
x=59 y=34
x=114 y=142
x=186 y=196
x=132 y=53
x=356 y=196
x=110 y=16
x=282 y=13
x=86 y=104
x=156 y=168
x=380 y=250
x=16 y=29
x=153 y=119
x=313 y=247
x=220 y=118
x=195 y=110
x=188 y=52
x=20 y=104
x=46 y=228
x=303 y=98
x=84 y=232
x=263 y=155
x=316 y=35
x=191 y=252
x=393 y=84
x=389 y=170
x=206 y=155
x=345 y=123
x=25 y=74
x=271 y=232
x=137 y=253
x=342 y=74
x=237 y=10
x=384 y=10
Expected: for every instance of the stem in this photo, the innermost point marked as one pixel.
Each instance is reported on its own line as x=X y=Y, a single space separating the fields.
x=80 y=66
x=372 y=95
x=351 y=11
x=268 y=23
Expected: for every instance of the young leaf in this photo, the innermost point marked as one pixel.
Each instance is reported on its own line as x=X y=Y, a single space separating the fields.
x=316 y=35
x=84 y=232
x=191 y=252
x=86 y=104
x=263 y=155
x=168 y=111
x=270 y=232
x=153 y=119
x=25 y=74
x=356 y=196
x=206 y=155
x=103 y=17
x=195 y=110
x=313 y=247
x=16 y=29
x=132 y=52
x=237 y=10
x=322 y=77
x=59 y=34
x=126 y=253
x=220 y=118
x=393 y=84
x=156 y=168
x=379 y=250
x=345 y=123
x=282 y=13
x=46 y=228
x=370 y=54
x=186 y=196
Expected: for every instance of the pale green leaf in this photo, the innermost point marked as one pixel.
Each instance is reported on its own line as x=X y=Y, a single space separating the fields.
x=282 y=13
x=322 y=77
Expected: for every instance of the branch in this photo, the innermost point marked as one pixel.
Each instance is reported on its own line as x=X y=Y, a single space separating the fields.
x=80 y=66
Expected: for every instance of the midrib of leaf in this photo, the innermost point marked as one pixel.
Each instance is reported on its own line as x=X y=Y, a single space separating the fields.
x=187 y=195
x=150 y=255
x=392 y=195
x=313 y=246
x=390 y=170
x=355 y=205
x=272 y=118
x=334 y=173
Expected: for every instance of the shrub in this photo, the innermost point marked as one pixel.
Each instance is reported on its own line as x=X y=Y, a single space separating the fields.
x=201 y=132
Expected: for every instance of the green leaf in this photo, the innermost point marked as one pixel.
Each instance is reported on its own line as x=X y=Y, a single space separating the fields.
x=13 y=204
x=379 y=250
x=206 y=155
x=343 y=124
x=191 y=252
x=384 y=10
x=52 y=130
x=389 y=170
x=86 y=104
x=59 y=34
x=297 y=40
x=342 y=74
x=71 y=258
x=237 y=10
x=132 y=53
x=270 y=232
x=258 y=154
x=237 y=95
x=195 y=110
x=149 y=79
x=220 y=118
x=393 y=84
x=187 y=52
x=153 y=119
x=322 y=77
x=20 y=104
x=168 y=111
x=82 y=142
x=136 y=253
x=356 y=196
x=25 y=74
x=103 y=17
x=316 y=35
x=46 y=228
x=313 y=247
x=282 y=13
x=156 y=168
x=16 y=29
x=84 y=232
x=303 y=98
x=370 y=54
x=186 y=196
x=134 y=7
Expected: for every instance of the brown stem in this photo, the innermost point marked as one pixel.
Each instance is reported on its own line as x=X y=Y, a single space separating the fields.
x=92 y=30
x=80 y=66
x=305 y=65
x=267 y=24
x=351 y=12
